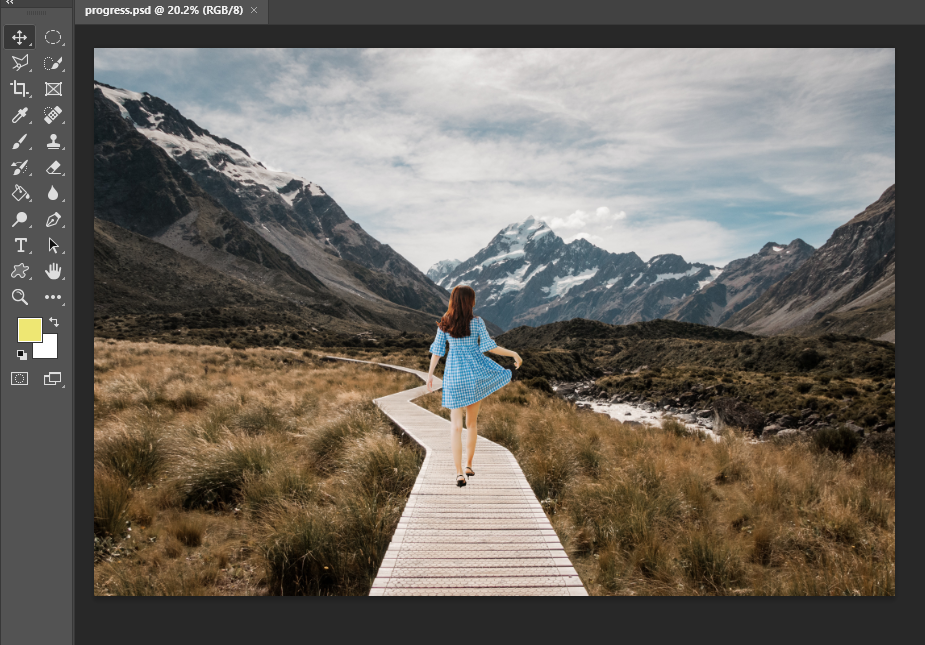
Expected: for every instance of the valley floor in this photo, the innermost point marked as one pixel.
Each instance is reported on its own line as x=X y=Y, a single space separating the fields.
x=657 y=510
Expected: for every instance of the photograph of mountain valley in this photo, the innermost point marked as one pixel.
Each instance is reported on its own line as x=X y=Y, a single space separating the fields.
x=692 y=251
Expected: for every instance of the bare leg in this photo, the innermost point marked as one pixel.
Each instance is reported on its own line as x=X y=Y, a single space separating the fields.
x=472 y=417
x=456 y=423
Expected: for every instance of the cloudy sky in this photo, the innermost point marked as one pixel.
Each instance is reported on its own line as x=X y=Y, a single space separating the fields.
x=705 y=153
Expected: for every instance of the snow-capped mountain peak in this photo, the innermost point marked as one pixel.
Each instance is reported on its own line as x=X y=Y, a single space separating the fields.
x=189 y=144
x=440 y=270
x=528 y=275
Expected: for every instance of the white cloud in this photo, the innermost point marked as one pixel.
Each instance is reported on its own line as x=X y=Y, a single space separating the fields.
x=581 y=219
x=434 y=151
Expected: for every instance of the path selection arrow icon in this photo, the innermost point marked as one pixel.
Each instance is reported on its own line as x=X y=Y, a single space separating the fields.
x=52 y=246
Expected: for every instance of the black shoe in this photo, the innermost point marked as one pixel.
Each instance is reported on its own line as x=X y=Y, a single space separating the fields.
x=460 y=480
x=471 y=472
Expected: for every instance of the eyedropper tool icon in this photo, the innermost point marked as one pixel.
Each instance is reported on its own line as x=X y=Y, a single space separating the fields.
x=20 y=114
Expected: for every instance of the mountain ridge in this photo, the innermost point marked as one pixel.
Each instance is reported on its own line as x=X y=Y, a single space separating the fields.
x=847 y=286
x=294 y=215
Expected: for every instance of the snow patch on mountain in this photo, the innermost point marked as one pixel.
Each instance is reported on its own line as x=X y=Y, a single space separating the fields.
x=220 y=157
x=674 y=276
x=714 y=274
x=561 y=285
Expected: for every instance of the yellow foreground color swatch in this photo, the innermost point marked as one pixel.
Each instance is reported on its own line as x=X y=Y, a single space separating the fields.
x=30 y=330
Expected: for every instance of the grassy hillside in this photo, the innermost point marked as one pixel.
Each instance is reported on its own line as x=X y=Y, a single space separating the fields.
x=658 y=511
x=232 y=472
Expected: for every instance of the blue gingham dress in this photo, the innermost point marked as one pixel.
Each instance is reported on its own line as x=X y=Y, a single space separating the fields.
x=469 y=375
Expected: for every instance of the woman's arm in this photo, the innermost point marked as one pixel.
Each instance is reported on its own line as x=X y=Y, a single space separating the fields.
x=500 y=351
x=434 y=359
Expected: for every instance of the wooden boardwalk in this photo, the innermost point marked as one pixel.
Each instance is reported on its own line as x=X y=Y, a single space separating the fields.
x=490 y=538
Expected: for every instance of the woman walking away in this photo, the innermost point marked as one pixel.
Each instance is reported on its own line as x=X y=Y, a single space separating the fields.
x=469 y=376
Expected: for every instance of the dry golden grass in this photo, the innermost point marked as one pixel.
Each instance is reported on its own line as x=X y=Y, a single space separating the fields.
x=657 y=511
x=242 y=472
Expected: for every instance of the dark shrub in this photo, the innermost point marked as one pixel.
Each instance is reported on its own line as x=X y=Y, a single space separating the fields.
x=803 y=387
x=839 y=440
x=539 y=383
x=738 y=414
x=808 y=359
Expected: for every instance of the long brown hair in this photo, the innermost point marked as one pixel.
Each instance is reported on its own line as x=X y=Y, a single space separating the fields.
x=458 y=315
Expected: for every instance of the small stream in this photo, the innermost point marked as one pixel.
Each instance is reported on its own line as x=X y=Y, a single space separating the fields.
x=642 y=414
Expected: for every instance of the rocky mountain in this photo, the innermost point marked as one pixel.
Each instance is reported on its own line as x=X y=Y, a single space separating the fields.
x=527 y=275
x=847 y=286
x=296 y=217
x=741 y=282
x=140 y=189
x=441 y=269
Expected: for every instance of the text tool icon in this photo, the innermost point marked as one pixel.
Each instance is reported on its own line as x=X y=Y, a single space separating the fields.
x=53 y=220
x=21 y=139
x=20 y=218
x=52 y=246
x=19 y=242
x=20 y=61
x=19 y=296
x=20 y=114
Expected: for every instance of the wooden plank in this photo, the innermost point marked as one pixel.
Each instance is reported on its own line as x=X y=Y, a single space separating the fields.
x=488 y=538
